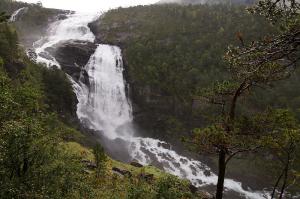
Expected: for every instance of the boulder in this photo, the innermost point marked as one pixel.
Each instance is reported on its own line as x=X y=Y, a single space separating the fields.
x=136 y=164
x=207 y=173
x=31 y=54
x=164 y=145
x=121 y=171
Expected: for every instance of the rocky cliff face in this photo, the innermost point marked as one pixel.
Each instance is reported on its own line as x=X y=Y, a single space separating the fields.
x=73 y=55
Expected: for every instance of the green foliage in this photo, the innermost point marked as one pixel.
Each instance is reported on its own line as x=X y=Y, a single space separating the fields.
x=167 y=187
x=3 y=17
x=171 y=187
x=34 y=162
x=140 y=189
x=101 y=160
x=258 y=64
x=59 y=96
x=8 y=43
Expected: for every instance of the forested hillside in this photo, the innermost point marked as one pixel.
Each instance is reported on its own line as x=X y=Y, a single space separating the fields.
x=195 y=2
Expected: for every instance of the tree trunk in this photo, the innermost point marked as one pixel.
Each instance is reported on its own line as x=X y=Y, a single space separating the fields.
x=276 y=184
x=284 y=180
x=221 y=175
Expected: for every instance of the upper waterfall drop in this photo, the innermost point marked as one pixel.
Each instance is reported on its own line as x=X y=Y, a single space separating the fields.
x=74 y=27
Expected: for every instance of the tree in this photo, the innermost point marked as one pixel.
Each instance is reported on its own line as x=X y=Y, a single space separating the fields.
x=3 y=17
x=250 y=66
x=100 y=159
x=282 y=141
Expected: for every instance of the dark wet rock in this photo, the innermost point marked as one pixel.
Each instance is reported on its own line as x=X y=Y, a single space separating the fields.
x=62 y=17
x=193 y=188
x=73 y=55
x=136 y=164
x=46 y=55
x=164 y=145
x=31 y=54
x=183 y=161
x=85 y=78
x=199 y=181
x=121 y=171
x=207 y=173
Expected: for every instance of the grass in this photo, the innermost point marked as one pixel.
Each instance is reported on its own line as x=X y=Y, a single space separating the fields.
x=87 y=154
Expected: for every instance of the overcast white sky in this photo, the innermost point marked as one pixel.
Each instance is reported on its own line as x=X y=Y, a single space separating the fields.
x=90 y=5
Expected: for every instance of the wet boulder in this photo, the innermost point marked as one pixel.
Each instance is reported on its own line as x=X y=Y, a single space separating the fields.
x=164 y=145
x=207 y=173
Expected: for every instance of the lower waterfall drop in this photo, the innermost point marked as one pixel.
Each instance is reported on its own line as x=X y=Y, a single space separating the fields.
x=104 y=105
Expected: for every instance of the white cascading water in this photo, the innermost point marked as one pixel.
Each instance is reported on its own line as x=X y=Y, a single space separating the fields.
x=74 y=27
x=103 y=105
x=16 y=14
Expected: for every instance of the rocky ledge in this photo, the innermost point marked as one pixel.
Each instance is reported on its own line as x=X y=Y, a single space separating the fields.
x=73 y=55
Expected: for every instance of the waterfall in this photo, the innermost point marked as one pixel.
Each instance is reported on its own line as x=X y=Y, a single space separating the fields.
x=104 y=103
x=15 y=15
x=104 y=107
